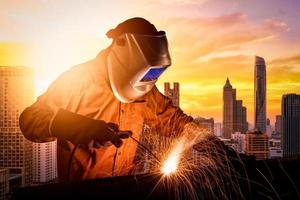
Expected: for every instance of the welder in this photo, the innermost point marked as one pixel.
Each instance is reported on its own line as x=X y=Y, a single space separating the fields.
x=97 y=105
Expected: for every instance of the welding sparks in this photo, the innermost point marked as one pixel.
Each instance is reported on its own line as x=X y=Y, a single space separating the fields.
x=171 y=163
x=190 y=165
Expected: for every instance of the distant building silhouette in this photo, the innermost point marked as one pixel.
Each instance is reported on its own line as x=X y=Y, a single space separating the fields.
x=173 y=94
x=269 y=128
x=234 y=113
x=239 y=139
x=290 y=113
x=205 y=123
x=257 y=144
x=16 y=92
x=260 y=118
x=278 y=128
x=244 y=120
x=218 y=129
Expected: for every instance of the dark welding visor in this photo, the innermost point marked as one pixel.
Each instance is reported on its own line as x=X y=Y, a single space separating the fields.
x=154 y=48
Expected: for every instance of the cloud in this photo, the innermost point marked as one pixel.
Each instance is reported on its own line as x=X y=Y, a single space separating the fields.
x=276 y=25
x=295 y=59
x=202 y=38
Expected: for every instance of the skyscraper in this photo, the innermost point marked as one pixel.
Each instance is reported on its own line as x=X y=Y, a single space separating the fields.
x=16 y=92
x=229 y=96
x=173 y=94
x=234 y=113
x=290 y=113
x=260 y=94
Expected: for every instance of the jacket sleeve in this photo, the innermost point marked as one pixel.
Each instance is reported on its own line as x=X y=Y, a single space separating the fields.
x=171 y=120
x=35 y=120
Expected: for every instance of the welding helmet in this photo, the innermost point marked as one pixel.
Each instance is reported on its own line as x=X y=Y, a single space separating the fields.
x=135 y=61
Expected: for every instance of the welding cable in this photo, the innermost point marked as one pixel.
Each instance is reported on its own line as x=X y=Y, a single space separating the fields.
x=114 y=160
x=114 y=163
x=145 y=148
x=141 y=145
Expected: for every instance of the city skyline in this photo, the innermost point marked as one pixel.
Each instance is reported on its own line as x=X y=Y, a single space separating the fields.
x=220 y=39
x=226 y=124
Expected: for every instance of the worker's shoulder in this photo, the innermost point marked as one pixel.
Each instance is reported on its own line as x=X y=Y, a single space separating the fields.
x=153 y=94
x=79 y=73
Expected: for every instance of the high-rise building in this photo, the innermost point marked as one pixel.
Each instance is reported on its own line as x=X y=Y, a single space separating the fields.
x=229 y=97
x=244 y=120
x=234 y=113
x=278 y=124
x=238 y=126
x=16 y=93
x=290 y=113
x=260 y=118
x=44 y=162
x=173 y=94
x=205 y=123
x=218 y=129
x=257 y=144
x=240 y=117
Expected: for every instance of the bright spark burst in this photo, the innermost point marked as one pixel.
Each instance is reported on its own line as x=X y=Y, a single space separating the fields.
x=171 y=163
x=191 y=165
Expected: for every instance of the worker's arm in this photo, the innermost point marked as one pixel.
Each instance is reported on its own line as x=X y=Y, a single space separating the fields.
x=171 y=119
x=49 y=117
x=36 y=119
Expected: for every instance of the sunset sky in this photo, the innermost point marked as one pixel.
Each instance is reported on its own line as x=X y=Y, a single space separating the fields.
x=209 y=41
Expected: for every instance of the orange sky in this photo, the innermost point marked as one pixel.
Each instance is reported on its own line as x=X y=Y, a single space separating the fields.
x=209 y=40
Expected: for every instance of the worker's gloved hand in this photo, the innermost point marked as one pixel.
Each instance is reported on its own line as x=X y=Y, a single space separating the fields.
x=79 y=129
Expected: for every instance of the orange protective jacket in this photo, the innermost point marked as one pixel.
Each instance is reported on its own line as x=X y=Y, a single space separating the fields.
x=85 y=90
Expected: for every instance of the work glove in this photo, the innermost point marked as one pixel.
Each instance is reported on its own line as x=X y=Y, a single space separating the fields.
x=79 y=129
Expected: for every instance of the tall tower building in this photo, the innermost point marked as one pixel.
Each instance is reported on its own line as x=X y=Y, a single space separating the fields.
x=229 y=97
x=173 y=94
x=290 y=113
x=16 y=92
x=260 y=94
x=234 y=113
